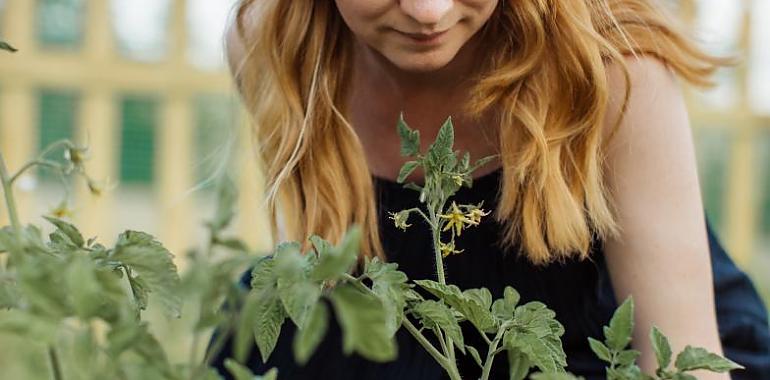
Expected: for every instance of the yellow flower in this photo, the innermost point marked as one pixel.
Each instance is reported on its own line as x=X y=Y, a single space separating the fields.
x=61 y=211
x=457 y=219
x=400 y=218
x=458 y=179
x=475 y=214
x=448 y=249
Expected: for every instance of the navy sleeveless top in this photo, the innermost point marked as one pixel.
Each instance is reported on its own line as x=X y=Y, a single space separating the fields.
x=579 y=292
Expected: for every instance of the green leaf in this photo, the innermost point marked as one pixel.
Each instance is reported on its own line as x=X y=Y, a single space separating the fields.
x=5 y=46
x=38 y=329
x=298 y=297
x=618 y=333
x=536 y=334
x=693 y=358
x=661 y=346
x=83 y=287
x=518 y=364
x=66 y=230
x=364 y=324
x=336 y=261
x=241 y=372
x=442 y=146
x=555 y=376
x=475 y=355
x=601 y=351
x=627 y=357
x=390 y=285
x=410 y=139
x=140 y=291
x=473 y=303
x=406 y=170
x=268 y=318
x=435 y=315
x=503 y=308
x=308 y=338
x=148 y=259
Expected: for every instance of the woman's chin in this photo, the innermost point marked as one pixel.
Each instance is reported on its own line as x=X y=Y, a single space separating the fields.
x=421 y=63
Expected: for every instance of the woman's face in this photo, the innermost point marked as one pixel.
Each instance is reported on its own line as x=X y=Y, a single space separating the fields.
x=416 y=35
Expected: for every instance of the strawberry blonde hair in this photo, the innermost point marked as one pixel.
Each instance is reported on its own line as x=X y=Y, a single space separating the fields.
x=547 y=76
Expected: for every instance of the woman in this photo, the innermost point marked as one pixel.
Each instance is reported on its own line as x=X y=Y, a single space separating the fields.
x=595 y=194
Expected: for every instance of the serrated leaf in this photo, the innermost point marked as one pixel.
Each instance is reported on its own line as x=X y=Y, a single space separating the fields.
x=518 y=364
x=627 y=357
x=536 y=334
x=410 y=139
x=621 y=327
x=308 y=338
x=268 y=319
x=601 y=351
x=436 y=315
x=406 y=170
x=503 y=308
x=338 y=260
x=442 y=146
x=148 y=259
x=364 y=324
x=67 y=230
x=694 y=358
x=472 y=304
x=140 y=291
x=391 y=286
x=298 y=298
x=661 y=347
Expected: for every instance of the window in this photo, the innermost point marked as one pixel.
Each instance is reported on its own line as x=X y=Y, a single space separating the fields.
x=60 y=23
x=56 y=115
x=141 y=28
x=138 y=118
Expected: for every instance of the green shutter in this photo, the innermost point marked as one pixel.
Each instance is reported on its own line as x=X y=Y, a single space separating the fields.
x=137 y=138
x=57 y=111
x=60 y=23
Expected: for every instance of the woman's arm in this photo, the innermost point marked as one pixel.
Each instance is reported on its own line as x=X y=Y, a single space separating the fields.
x=662 y=255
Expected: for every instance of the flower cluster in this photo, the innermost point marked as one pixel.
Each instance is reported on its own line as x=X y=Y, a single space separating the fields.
x=457 y=219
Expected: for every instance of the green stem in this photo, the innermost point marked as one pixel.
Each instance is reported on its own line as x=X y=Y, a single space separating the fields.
x=427 y=220
x=28 y=165
x=492 y=352
x=55 y=366
x=449 y=365
x=10 y=202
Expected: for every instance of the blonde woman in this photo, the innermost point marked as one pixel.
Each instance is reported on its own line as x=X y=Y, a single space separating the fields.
x=595 y=194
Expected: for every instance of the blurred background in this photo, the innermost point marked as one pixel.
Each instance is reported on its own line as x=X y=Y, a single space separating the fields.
x=143 y=82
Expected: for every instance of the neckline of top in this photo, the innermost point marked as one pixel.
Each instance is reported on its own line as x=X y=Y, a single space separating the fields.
x=488 y=177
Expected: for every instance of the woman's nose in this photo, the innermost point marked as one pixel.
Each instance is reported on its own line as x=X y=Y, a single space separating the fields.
x=428 y=12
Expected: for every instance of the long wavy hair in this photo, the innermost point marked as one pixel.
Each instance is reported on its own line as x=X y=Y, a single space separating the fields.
x=546 y=76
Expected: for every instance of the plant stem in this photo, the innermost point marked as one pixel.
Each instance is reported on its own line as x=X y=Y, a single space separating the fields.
x=492 y=352
x=28 y=165
x=449 y=365
x=10 y=202
x=55 y=366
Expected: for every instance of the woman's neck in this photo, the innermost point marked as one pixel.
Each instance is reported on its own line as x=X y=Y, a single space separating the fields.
x=380 y=91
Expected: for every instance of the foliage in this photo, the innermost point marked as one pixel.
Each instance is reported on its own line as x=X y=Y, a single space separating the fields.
x=84 y=302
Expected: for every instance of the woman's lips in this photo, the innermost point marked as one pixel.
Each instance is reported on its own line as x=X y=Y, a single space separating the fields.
x=424 y=38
